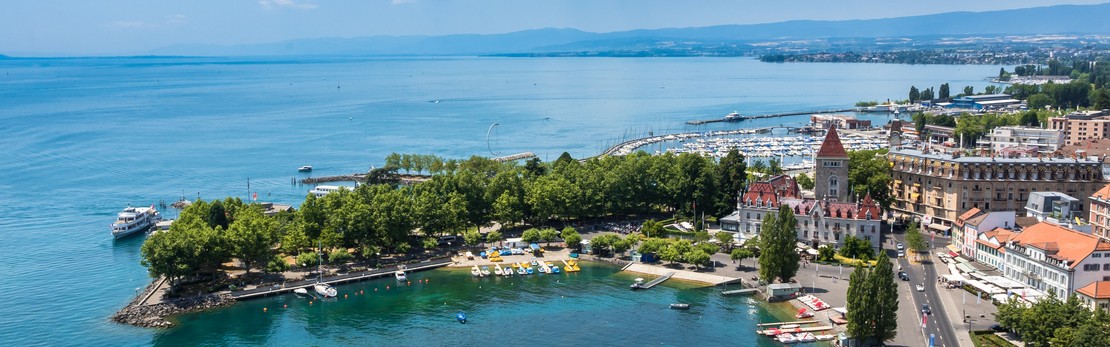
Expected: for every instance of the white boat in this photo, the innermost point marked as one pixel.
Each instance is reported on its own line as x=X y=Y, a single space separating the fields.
x=300 y=291
x=787 y=338
x=734 y=116
x=324 y=289
x=306 y=168
x=400 y=275
x=475 y=272
x=325 y=190
x=135 y=219
x=485 y=271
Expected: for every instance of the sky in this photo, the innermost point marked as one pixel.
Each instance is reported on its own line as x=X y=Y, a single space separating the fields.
x=124 y=27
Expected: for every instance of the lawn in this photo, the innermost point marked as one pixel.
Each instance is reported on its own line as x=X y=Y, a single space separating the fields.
x=987 y=338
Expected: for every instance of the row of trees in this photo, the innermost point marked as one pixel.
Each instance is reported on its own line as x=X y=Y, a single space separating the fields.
x=873 y=303
x=1055 y=322
x=386 y=217
x=972 y=127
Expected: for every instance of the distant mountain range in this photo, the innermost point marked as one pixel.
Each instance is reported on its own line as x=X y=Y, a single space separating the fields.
x=1062 y=19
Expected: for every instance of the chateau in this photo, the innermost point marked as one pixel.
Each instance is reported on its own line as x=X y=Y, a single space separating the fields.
x=826 y=220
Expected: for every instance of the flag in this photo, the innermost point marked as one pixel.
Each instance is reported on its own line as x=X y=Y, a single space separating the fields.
x=254 y=196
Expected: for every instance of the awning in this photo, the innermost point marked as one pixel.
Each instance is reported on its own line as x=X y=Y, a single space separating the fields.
x=964 y=267
x=939 y=227
x=953 y=254
x=953 y=249
x=914 y=196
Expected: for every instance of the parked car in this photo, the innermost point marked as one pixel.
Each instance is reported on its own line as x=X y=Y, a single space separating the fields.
x=997 y=328
x=900 y=247
x=901 y=254
x=925 y=309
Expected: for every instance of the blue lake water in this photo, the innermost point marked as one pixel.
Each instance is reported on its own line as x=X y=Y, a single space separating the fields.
x=84 y=137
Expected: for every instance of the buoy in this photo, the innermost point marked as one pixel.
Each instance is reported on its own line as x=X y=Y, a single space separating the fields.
x=375 y=289
x=386 y=287
x=344 y=296
x=309 y=303
x=263 y=309
x=284 y=306
x=409 y=283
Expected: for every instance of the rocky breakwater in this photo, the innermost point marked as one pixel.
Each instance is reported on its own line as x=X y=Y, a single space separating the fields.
x=154 y=316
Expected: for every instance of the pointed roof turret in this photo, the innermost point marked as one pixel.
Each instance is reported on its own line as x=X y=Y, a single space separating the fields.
x=832 y=147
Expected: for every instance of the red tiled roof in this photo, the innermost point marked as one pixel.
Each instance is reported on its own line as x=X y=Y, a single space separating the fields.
x=868 y=205
x=761 y=192
x=1097 y=290
x=1103 y=194
x=1061 y=243
x=970 y=213
x=832 y=147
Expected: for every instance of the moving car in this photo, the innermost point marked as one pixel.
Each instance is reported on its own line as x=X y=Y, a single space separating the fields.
x=903 y=276
x=925 y=309
x=921 y=287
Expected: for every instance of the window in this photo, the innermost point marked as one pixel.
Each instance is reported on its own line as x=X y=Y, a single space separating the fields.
x=834 y=185
x=1105 y=267
x=1096 y=255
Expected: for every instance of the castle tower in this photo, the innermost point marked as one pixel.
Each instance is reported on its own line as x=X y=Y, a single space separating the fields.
x=831 y=169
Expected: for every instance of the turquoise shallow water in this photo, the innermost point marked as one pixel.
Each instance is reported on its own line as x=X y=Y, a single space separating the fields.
x=82 y=138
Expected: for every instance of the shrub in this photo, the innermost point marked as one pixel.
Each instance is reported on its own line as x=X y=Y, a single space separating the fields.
x=339 y=256
x=277 y=264
x=307 y=259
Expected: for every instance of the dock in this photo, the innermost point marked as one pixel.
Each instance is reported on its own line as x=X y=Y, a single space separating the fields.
x=543 y=266
x=770 y=115
x=333 y=280
x=740 y=292
x=775 y=324
x=776 y=331
x=570 y=266
x=657 y=281
x=513 y=157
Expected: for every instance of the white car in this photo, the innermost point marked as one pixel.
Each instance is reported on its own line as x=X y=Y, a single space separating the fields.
x=901 y=254
x=921 y=287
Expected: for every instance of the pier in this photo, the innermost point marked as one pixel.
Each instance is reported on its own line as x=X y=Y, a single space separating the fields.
x=657 y=281
x=771 y=115
x=344 y=278
x=513 y=157
x=747 y=291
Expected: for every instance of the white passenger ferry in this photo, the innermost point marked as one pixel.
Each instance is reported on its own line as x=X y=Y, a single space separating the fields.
x=135 y=219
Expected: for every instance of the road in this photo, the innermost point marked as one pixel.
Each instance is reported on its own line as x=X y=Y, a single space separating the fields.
x=937 y=323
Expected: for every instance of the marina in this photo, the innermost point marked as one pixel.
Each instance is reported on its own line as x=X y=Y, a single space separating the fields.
x=337 y=279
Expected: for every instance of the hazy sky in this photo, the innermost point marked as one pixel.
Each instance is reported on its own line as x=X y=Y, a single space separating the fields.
x=69 y=27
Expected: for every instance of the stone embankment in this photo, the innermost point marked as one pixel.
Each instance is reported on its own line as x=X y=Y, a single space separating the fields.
x=154 y=316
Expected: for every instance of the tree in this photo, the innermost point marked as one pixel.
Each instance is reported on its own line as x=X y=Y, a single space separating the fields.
x=472 y=237
x=651 y=228
x=860 y=310
x=869 y=173
x=1038 y=101
x=943 y=93
x=654 y=245
x=777 y=257
x=969 y=90
x=429 y=243
x=531 y=236
x=927 y=94
x=914 y=241
x=669 y=254
x=494 y=236
x=252 y=237
x=294 y=241
x=548 y=235
x=697 y=257
x=804 y=181
x=732 y=173
x=915 y=95
x=572 y=237
x=725 y=238
x=884 y=294
x=826 y=253
x=740 y=254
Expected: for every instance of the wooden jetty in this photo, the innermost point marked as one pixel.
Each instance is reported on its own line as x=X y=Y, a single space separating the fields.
x=771 y=115
x=740 y=292
x=518 y=156
x=657 y=281
x=345 y=278
x=775 y=324
x=776 y=331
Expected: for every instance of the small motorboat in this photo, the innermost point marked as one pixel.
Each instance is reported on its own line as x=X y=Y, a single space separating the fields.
x=529 y=270
x=787 y=338
x=400 y=276
x=300 y=291
x=485 y=271
x=639 y=284
x=554 y=269
x=306 y=168
x=475 y=272
x=680 y=306
x=498 y=271
x=521 y=271
x=461 y=317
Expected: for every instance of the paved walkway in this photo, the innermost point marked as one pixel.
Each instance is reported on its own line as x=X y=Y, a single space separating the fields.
x=679 y=273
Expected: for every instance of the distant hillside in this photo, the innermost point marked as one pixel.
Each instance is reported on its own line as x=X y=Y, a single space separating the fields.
x=1062 y=19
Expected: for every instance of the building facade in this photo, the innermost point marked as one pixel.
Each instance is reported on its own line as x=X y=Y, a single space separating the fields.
x=1095 y=295
x=971 y=224
x=937 y=187
x=1044 y=140
x=826 y=220
x=1099 y=216
x=1082 y=125
x=1057 y=260
x=990 y=248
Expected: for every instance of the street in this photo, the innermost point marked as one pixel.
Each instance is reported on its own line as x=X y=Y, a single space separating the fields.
x=937 y=324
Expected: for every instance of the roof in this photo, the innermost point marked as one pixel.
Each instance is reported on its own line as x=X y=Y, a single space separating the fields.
x=1061 y=243
x=914 y=153
x=831 y=146
x=1102 y=194
x=1097 y=290
x=970 y=213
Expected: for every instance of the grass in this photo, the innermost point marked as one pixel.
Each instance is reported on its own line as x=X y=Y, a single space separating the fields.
x=987 y=338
